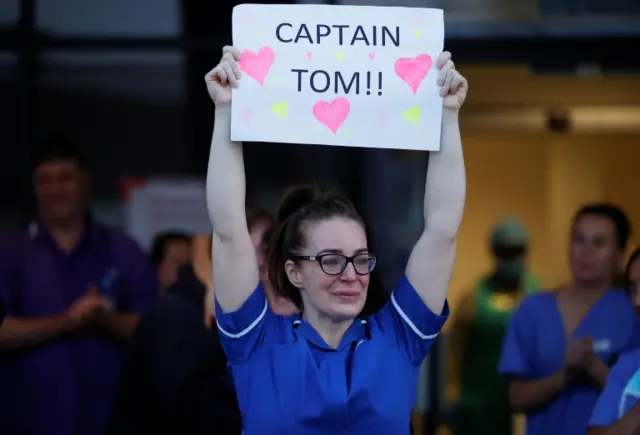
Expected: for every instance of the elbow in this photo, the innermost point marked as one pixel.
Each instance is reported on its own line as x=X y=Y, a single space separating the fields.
x=517 y=399
x=517 y=407
x=441 y=235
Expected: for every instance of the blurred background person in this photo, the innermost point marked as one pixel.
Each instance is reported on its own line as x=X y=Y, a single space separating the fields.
x=632 y=274
x=169 y=252
x=617 y=411
x=74 y=290
x=559 y=345
x=176 y=379
x=478 y=330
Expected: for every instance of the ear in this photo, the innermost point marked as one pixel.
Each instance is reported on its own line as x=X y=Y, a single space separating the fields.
x=293 y=273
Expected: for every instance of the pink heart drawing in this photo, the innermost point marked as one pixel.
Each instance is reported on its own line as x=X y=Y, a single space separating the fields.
x=372 y=55
x=257 y=65
x=417 y=18
x=332 y=114
x=413 y=71
x=308 y=55
x=246 y=116
x=249 y=17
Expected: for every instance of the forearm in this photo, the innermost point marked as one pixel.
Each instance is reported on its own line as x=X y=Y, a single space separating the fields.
x=226 y=185
x=119 y=324
x=598 y=371
x=526 y=396
x=627 y=425
x=445 y=188
x=21 y=332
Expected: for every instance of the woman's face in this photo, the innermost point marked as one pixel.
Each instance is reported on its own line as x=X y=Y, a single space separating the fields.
x=594 y=254
x=338 y=297
x=634 y=283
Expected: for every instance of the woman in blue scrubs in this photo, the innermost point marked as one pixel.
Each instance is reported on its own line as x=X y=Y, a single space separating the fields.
x=327 y=371
x=617 y=411
x=559 y=345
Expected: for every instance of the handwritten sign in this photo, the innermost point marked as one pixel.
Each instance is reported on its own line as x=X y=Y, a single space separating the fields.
x=357 y=76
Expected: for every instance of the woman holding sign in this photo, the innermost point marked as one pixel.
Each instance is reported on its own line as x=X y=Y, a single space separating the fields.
x=326 y=371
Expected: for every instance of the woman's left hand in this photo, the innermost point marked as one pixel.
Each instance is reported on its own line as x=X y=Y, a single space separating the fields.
x=453 y=86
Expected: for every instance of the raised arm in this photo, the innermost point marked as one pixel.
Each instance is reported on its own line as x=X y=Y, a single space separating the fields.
x=431 y=262
x=234 y=261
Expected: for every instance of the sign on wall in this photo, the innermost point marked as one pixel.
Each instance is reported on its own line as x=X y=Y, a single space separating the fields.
x=355 y=76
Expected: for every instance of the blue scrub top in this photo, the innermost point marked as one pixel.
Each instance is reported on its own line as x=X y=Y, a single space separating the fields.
x=534 y=348
x=621 y=393
x=289 y=381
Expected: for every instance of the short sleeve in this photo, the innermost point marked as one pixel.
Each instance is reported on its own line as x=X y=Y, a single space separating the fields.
x=607 y=409
x=409 y=323
x=244 y=332
x=514 y=358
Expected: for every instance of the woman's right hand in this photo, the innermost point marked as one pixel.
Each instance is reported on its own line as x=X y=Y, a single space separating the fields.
x=224 y=76
x=579 y=353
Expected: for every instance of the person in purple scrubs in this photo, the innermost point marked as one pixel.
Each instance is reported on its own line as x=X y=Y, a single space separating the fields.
x=73 y=290
x=559 y=345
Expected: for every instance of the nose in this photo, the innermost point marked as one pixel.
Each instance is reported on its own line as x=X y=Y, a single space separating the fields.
x=349 y=273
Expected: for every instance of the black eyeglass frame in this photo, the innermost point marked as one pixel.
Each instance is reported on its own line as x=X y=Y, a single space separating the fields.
x=348 y=260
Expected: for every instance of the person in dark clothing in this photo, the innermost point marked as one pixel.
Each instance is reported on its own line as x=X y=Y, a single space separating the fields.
x=175 y=379
x=170 y=251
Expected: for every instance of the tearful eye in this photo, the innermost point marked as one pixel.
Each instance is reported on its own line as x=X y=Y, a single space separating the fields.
x=331 y=261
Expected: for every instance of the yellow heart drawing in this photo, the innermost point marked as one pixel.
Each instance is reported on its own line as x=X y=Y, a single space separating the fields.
x=417 y=34
x=276 y=78
x=412 y=115
x=347 y=134
x=258 y=34
x=280 y=109
x=339 y=55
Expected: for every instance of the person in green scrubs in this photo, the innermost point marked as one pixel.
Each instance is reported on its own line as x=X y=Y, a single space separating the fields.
x=478 y=330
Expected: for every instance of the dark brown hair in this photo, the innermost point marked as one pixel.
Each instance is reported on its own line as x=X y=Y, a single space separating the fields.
x=302 y=205
x=612 y=212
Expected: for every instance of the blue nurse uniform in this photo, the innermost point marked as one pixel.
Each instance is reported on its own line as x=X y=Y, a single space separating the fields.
x=289 y=381
x=621 y=393
x=534 y=348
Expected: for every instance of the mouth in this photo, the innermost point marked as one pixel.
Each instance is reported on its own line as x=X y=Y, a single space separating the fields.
x=348 y=296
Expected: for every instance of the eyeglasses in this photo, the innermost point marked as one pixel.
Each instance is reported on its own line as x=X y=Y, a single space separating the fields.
x=335 y=264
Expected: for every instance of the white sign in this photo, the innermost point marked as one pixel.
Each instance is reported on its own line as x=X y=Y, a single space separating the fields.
x=357 y=76
x=167 y=205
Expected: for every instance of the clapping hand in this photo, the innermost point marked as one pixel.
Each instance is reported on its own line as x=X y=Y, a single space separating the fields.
x=87 y=307
x=579 y=354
